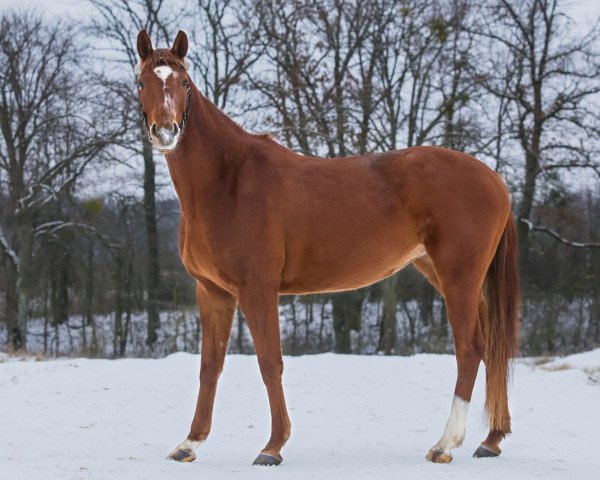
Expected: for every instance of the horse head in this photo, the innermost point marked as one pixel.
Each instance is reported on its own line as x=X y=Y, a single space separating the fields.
x=164 y=88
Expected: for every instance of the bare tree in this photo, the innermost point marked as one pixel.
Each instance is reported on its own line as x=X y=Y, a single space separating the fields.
x=314 y=50
x=425 y=85
x=48 y=137
x=546 y=79
x=226 y=46
x=118 y=21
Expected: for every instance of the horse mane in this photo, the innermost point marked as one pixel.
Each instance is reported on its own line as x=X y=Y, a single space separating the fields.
x=267 y=136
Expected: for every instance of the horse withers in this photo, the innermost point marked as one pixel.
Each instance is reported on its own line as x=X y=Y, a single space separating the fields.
x=258 y=221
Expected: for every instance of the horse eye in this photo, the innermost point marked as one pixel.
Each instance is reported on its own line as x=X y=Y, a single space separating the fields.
x=140 y=85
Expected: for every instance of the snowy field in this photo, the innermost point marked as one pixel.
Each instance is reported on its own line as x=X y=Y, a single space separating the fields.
x=352 y=418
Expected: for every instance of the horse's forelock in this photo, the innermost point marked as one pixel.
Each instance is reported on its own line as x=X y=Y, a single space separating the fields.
x=160 y=57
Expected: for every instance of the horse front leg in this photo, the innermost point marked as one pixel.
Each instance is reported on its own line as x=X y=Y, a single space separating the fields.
x=260 y=309
x=217 y=308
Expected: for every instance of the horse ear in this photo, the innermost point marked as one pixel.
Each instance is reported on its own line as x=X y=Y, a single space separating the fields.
x=144 y=45
x=180 y=45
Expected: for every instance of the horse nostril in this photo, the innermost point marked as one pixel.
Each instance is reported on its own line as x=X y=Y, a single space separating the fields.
x=175 y=129
x=153 y=129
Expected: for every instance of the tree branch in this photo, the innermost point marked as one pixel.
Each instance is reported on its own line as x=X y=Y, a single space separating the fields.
x=9 y=252
x=555 y=235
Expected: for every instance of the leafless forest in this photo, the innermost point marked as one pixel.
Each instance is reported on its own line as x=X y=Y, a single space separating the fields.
x=88 y=221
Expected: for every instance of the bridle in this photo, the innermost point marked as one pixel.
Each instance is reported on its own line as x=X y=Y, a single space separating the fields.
x=186 y=111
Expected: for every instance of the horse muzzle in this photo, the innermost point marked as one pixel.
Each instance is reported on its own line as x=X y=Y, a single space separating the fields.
x=165 y=138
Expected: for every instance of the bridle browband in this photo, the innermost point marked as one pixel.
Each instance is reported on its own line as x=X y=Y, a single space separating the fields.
x=186 y=111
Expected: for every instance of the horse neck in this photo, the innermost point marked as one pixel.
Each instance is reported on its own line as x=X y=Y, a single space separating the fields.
x=207 y=155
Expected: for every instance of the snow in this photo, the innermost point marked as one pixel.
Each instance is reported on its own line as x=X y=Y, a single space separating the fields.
x=363 y=417
x=586 y=361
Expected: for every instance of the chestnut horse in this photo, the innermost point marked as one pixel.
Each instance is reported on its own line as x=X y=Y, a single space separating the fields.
x=258 y=221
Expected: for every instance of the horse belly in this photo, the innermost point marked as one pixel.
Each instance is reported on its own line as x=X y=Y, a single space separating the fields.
x=349 y=270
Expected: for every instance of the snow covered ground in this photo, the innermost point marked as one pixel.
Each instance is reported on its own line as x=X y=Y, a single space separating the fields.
x=352 y=417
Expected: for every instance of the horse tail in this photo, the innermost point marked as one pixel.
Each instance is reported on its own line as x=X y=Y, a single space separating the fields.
x=500 y=326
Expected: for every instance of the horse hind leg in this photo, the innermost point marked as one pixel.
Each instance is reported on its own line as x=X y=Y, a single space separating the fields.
x=462 y=300
x=468 y=341
x=259 y=305
x=490 y=447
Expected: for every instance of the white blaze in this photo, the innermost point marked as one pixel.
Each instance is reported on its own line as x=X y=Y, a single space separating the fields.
x=454 y=434
x=163 y=72
x=169 y=102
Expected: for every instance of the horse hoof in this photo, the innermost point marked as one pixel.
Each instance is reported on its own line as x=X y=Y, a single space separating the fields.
x=483 y=451
x=267 y=460
x=438 y=456
x=182 y=455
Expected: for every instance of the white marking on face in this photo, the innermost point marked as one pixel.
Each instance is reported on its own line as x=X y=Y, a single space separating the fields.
x=163 y=72
x=454 y=434
x=169 y=102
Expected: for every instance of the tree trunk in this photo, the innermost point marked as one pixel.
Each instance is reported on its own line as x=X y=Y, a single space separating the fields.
x=526 y=207
x=347 y=311
x=322 y=324
x=118 y=326
x=295 y=329
x=153 y=271
x=308 y=320
x=389 y=322
x=22 y=285
x=240 y=332
x=426 y=304
x=89 y=299
x=12 y=310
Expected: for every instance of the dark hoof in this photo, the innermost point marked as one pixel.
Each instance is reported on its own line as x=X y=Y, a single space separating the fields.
x=437 y=456
x=182 y=455
x=483 y=451
x=266 y=460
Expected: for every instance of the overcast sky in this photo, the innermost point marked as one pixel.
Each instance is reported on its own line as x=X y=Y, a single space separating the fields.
x=584 y=12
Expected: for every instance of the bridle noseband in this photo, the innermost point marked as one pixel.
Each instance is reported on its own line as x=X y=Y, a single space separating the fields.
x=186 y=111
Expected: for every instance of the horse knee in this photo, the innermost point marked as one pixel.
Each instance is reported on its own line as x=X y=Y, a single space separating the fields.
x=209 y=372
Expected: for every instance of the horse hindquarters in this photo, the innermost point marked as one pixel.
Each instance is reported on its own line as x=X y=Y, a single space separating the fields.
x=483 y=327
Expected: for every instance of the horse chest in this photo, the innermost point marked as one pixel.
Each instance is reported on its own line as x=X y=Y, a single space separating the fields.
x=202 y=257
